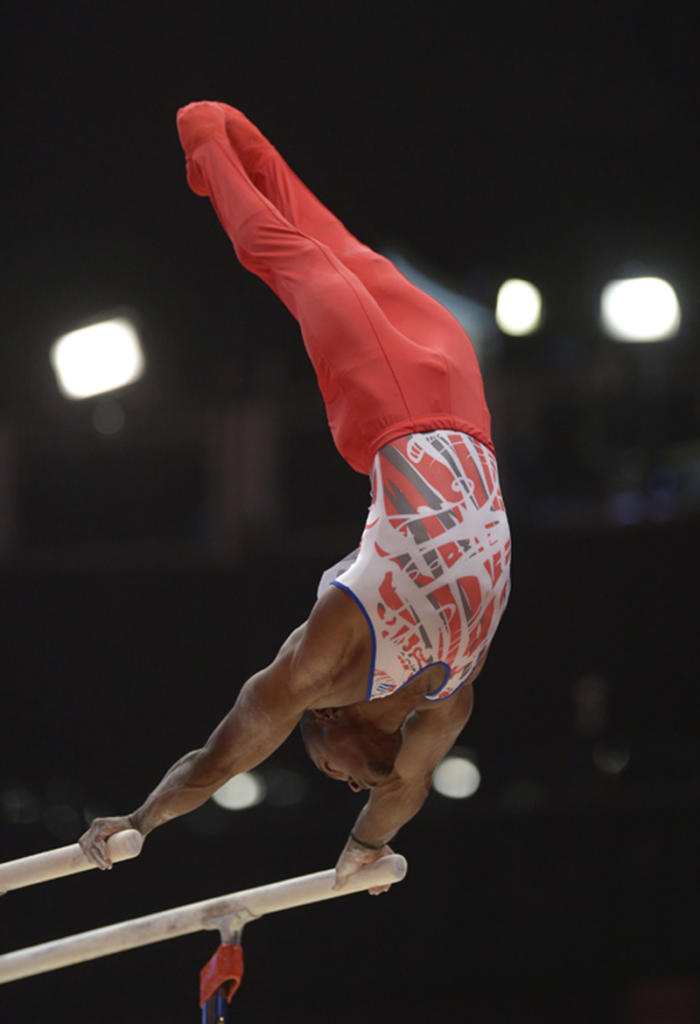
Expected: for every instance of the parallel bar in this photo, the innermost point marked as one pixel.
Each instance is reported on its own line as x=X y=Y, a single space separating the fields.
x=194 y=917
x=66 y=860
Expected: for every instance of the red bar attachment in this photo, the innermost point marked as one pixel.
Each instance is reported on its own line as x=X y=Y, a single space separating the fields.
x=224 y=970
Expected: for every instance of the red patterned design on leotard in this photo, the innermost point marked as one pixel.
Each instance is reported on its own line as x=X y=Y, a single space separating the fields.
x=433 y=569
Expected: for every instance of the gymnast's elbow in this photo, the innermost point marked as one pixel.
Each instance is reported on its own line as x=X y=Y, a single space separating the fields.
x=212 y=765
x=206 y=768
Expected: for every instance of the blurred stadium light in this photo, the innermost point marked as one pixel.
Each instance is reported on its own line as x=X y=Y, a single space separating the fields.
x=518 y=307
x=611 y=758
x=97 y=358
x=456 y=777
x=244 y=790
x=639 y=309
x=108 y=417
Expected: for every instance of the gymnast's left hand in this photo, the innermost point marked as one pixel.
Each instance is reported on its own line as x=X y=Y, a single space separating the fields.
x=93 y=843
x=353 y=858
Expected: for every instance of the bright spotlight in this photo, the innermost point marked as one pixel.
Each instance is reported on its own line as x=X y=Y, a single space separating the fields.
x=640 y=309
x=97 y=358
x=518 y=307
x=244 y=790
x=456 y=777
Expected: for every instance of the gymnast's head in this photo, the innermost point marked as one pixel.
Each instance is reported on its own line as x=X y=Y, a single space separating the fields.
x=345 y=747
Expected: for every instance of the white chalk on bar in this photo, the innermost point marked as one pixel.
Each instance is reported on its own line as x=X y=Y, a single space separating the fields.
x=194 y=917
x=66 y=860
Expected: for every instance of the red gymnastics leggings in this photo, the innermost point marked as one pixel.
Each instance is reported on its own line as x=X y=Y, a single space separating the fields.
x=389 y=359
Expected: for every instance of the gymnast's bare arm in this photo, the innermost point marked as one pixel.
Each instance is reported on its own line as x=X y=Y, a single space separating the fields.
x=309 y=668
x=427 y=735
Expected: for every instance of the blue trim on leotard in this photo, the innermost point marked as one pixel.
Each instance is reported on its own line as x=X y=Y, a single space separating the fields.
x=358 y=602
x=443 y=684
x=448 y=673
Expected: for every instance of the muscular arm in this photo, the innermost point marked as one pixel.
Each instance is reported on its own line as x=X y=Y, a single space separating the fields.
x=268 y=707
x=427 y=736
x=264 y=714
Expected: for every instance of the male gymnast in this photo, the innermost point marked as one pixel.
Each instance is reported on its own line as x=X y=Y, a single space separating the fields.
x=380 y=676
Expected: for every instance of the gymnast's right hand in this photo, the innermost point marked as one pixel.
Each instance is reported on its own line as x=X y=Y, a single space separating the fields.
x=93 y=843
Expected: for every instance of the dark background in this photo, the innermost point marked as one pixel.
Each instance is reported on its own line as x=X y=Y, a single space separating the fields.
x=145 y=574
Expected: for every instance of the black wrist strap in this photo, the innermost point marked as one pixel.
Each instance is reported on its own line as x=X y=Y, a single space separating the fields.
x=368 y=846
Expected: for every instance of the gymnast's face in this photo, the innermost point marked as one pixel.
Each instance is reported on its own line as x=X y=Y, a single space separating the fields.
x=353 y=752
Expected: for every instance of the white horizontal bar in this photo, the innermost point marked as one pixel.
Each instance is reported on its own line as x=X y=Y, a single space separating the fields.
x=66 y=860
x=194 y=917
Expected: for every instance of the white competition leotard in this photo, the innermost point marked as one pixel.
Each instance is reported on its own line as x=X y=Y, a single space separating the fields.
x=432 y=573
